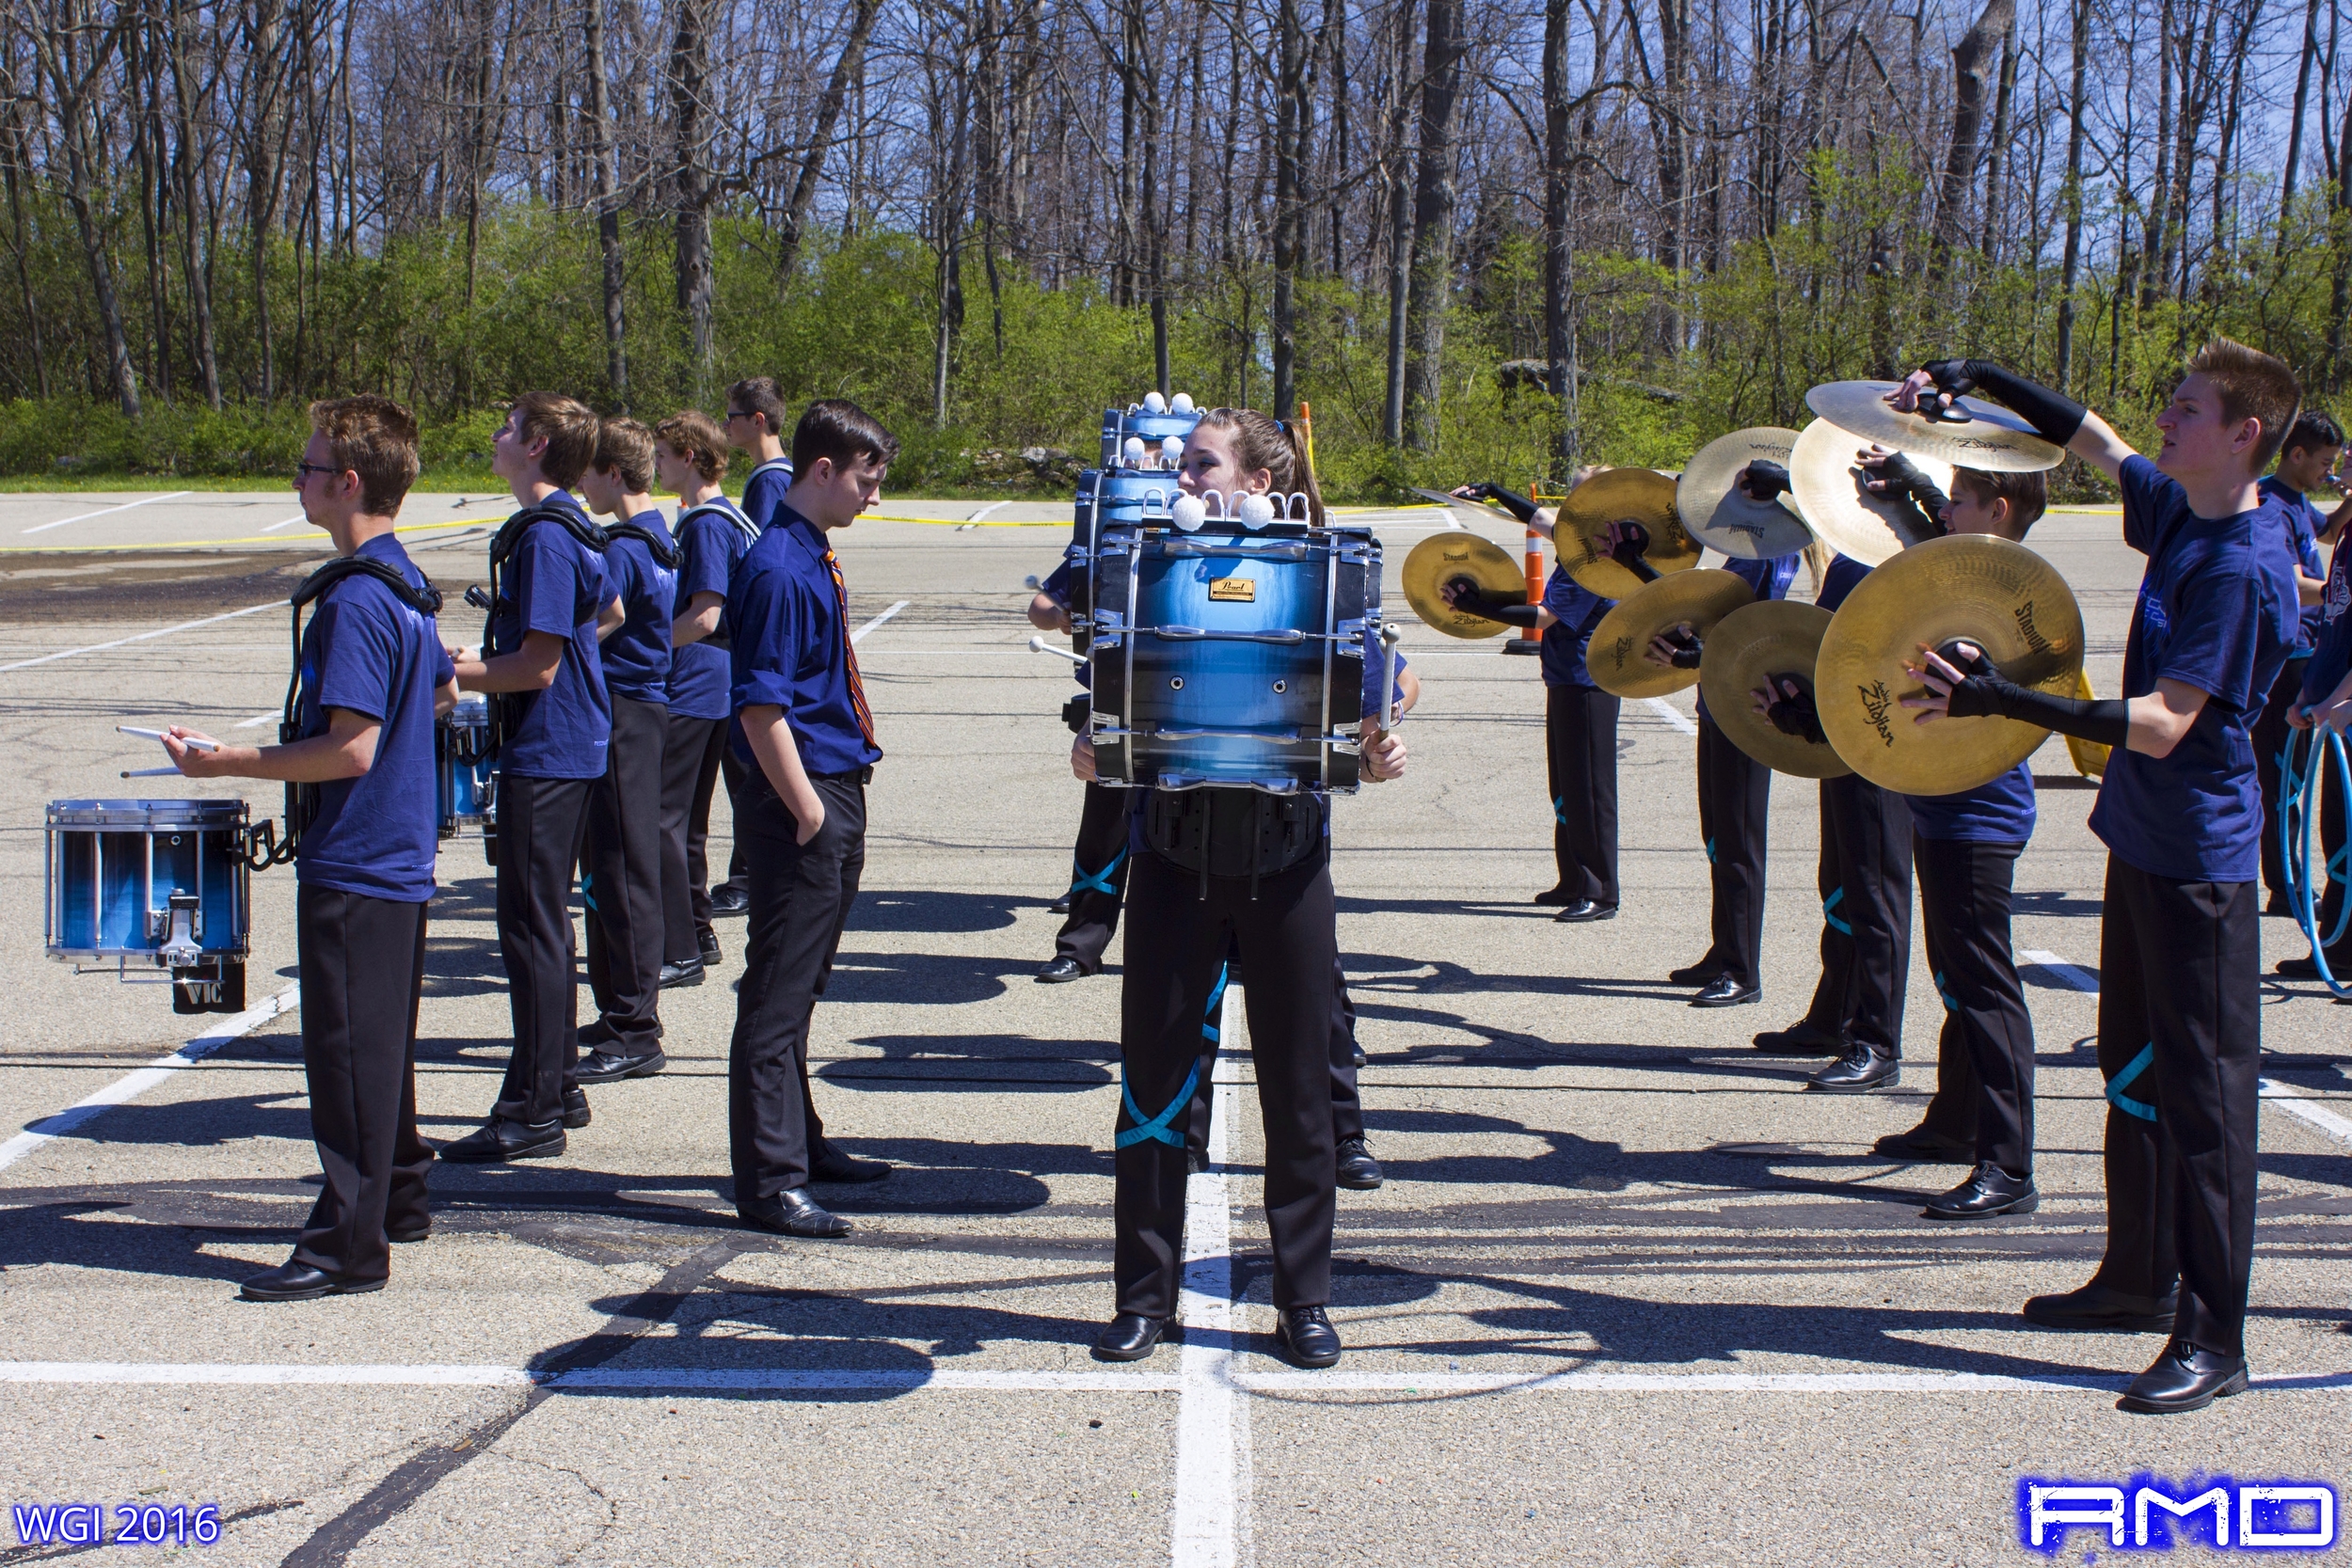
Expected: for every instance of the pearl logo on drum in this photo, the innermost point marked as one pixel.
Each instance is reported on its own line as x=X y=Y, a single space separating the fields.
x=1235 y=590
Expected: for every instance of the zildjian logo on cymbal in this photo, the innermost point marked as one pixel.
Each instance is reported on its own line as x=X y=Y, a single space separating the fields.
x=1877 y=701
x=1618 y=654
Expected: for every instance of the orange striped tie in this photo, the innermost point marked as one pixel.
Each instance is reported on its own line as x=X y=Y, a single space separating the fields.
x=857 y=686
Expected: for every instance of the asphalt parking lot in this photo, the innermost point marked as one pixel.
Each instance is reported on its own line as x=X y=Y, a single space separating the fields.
x=1628 y=1297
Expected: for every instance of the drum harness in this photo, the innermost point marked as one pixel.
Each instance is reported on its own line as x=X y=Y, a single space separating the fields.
x=507 y=708
x=262 y=848
x=720 y=636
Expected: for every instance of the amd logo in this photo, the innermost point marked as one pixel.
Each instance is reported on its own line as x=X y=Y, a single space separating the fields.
x=2143 y=1512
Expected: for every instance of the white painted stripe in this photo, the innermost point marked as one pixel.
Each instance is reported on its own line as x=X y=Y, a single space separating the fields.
x=982 y=513
x=2074 y=976
x=288 y=523
x=1202 y=1526
x=143 y=636
x=691 y=1380
x=135 y=1085
x=258 y=719
x=106 y=511
x=1672 y=714
x=859 y=636
x=2297 y=1103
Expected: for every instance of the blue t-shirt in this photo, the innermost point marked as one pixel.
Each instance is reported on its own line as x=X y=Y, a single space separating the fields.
x=554 y=583
x=637 y=655
x=2331 y=655
x=1841 y=579
x=376 y=835
x=1769 y=576
x=792 y=646
x=763 y=491
x=2303 y=521
x=2217 y=611
x=711 y=538
x=2001 y=811
x=1578 y=610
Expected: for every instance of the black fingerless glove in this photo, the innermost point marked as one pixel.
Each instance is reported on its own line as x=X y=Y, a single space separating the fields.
x=1510 y=613
x=1688 y=647
x=1515 y=505
x=2055 y=416
x=1795 y=716
x=1627 y=554
x=1901 y=473
x=1985 y=691
x=1764 y=479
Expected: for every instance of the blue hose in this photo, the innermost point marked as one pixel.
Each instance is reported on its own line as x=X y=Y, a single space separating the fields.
x=2299 y=792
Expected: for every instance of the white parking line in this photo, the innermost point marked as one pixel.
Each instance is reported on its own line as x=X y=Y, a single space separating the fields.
x=859 y=636
x=258 y=719
x=288 y=523
x=143 y=636
x=105 y=511
x=1672 y=714
x=984 y=510
x=1212 y=1426
x=132 y=1086
x=2074 y=975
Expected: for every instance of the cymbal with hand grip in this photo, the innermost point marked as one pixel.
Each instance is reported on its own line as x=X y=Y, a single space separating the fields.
x=1697 y=598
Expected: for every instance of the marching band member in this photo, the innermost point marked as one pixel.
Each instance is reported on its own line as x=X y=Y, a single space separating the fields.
x=2180 y=810
x=371 y=677
x=755 y=414
x=1098 y=863
x=808 y=741
x=621 y=887
x=1211 y=866
x=552 y=604
x=2303 y=464
x=2313 y=449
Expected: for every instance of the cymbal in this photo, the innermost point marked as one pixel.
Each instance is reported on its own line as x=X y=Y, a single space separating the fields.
x=1700 y=597
x=1971 y=588
x=1621 y=495
x=1770 y=638
x=1715 y=512
x=2088 y=757
x=1827 y=482
x=1442 y=557
x=1989 y=438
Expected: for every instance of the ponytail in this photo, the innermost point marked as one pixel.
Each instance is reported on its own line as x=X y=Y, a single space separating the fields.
x=1280 y=446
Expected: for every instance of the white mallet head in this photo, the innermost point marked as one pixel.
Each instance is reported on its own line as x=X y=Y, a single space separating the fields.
x=1255 y=512
x=1189 y=512
x=1132 y=451
x=1181 y=404
x=1171 y=449
x=1154 y=404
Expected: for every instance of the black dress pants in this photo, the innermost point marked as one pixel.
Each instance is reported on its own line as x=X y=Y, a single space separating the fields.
x=2180 y=1045
x=362 y=964
x=621 y=887
x=1832 y=1012
x=2269 y=739
x=1734 y=811
x=1177 y=942
x=1347 y=1105
x=801 y=896
x=1873 y=901
x=1581 y=762
x=689 y=771
x=739 y=782
x=1984 y=1059
x=1098 y=877
x=541 y=823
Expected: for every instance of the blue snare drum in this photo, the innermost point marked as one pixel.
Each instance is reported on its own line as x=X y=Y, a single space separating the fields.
x=1229 y=660
x=158 y=884
x=462 y=757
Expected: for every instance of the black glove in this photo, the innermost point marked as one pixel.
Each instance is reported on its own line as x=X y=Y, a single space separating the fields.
x=1763 y=480
x=1896 y=476
x=1983 y=690
x=1511 y=501
x=1627 y=553
x=2054 y=416
x=1794 y=715
x=1472 y=600
x=1688 y=647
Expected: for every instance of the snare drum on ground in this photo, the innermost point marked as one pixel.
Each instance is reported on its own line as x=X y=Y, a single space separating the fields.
x=139 y=886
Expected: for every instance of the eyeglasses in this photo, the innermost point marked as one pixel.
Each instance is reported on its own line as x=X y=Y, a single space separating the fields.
x=304 y=470
x=738 y=414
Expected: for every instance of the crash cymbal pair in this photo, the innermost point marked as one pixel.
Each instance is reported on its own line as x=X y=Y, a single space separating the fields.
x=1640 y=496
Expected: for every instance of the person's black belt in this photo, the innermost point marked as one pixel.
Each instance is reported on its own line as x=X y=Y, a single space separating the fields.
x=862 y=775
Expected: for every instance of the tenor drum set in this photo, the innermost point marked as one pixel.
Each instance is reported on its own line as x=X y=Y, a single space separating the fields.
x=1928 y=590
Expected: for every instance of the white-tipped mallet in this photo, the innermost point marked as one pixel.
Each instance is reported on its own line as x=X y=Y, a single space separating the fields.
x=190 y=742
x=1038 y=645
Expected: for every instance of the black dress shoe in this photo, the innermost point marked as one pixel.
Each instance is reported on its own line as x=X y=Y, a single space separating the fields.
x=575 y=1112
x=728 y=899
x=2186 y=1377
x=706 y=944
x=2097 y=1310
x=1584 y=910
x=1130 y=1337
x=687 y=972
x=1858 y=1072
x=301 y=1282
x=2307 y=968
x=608 y=1067
x=408 y=1233
x=792 y=1214
x=1059 y=906
x=1988 y=1190
x=497 y=1139
x=1057 y=970
x=1359 y=1172
x=833 y=1164
x=1307 y=1337
x=1694 y=975
x=1356 y=1056
x=1725 y=991
x=1555 y=897
x=1925 y=1148
x=1801 y=1038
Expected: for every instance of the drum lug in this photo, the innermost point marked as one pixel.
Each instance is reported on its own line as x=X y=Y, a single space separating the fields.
x=182 y=929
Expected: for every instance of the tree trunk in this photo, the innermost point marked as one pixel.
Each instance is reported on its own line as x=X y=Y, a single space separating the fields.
x=196 y=228
x=1433 y=221
x=1559 y=244
x=691 y=113
x=2294 y=127
x=16 y=166
x=2153 y=238
x=1970 y=57
x=948 y=214
x=1998 y=160
x=2070 y=270
x=1400 y=232
x=2340 y=233
x=1290 y=110
x=847 y=68
x=608 y=183
x=73 y=53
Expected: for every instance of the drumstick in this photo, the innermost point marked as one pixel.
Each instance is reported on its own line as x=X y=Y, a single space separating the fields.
x=150 y=772
x=1038 y=645
x=189 y=741
x=1391 y=713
